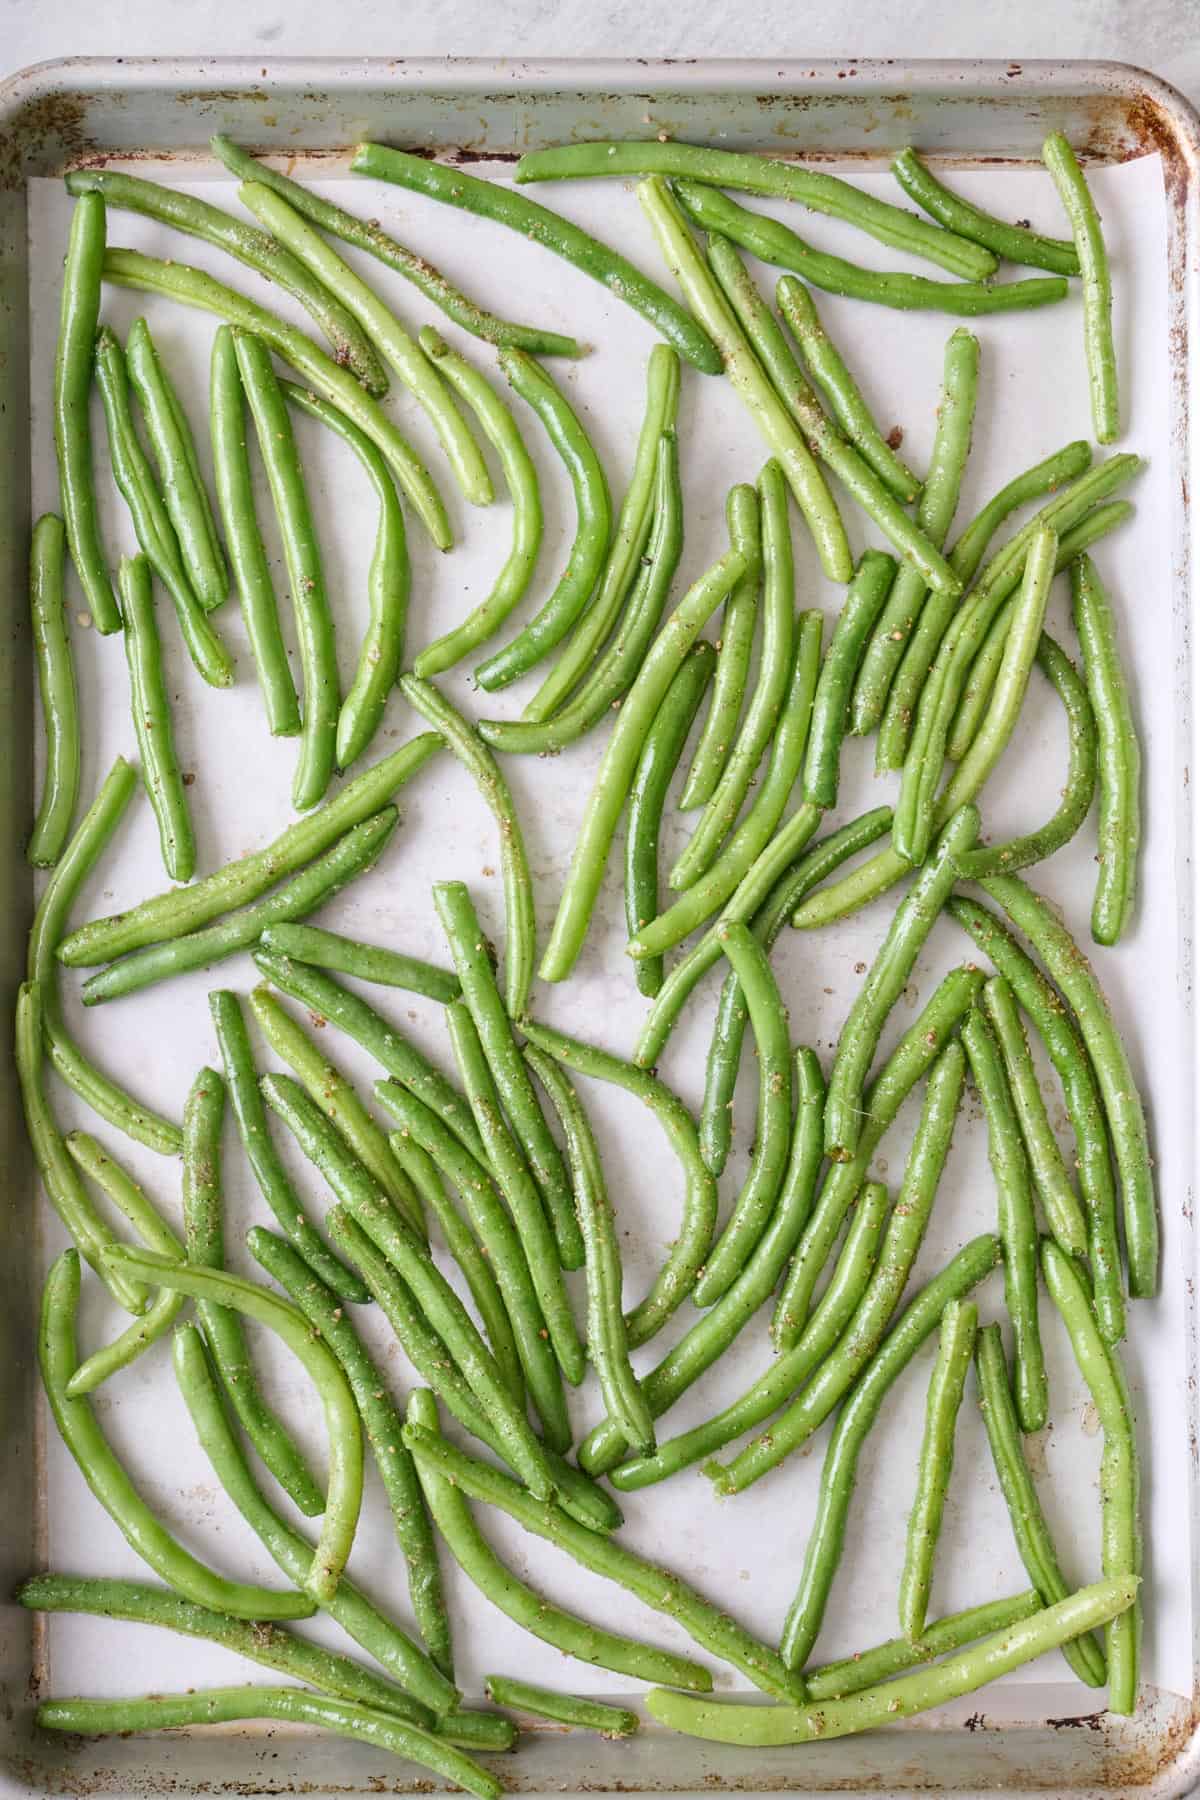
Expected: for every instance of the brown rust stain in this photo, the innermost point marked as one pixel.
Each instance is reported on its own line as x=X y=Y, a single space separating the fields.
x=45 y=133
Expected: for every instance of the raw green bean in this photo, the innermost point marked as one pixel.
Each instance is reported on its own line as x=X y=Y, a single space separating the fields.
x=484 y=198
x=598 y=826
x=851 y=1674
x=1030 y=1530
x=1046 y=1165
x=1070 y=969
x=607 y=1337
x=415 y=370
x=73 y=363
x=761 y=175
x=247 y=554
x=648 y=796
x=873 y=581
x=934 y=516
x=520 y=925
x=108 y=1480
x=628 y=541
x=153 y=529
x=388 y=583
x=747 y=377
x=174 y=450
x=566 y=1631
x=367 y=234
x=152 y=728
x=382 y=1425
x=1120 y=1478
x=545 y=1703
x=616 y=667
x=879 y=1296
x=1016 y=1224
x=774 y=242
x=520 y=477
x=963 y=1673
x=843 y=397
x=1098 y=345
x=735 y=646
x=955 y=1345
x=56 y=685
x=771 y=688
x=302 y=555
x=886 y=980
x=324 y=877
x=916 y=1052
x=203 y=1206
x=1120 y=755
x=593 y=516
x=535 y=1235
x=322 y=949
x=192 y=287
x=653 y=1585
x=1013 y=243
x=827 y=1539
x=677 y=1277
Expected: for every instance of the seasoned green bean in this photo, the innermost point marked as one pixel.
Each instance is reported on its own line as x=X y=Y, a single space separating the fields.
x=152 y=728
x=545 y=1703
x=1098 y=345
x=851 y=1674
x=959 y=1324
x=73 y=362
x=1013 y=243
x=322 y=949
x=1120 y=754
x=873 y=580
x=736 y=643
x=56 y=685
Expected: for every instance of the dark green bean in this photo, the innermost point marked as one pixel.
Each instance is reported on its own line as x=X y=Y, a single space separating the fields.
x=322 y=949
x=545 y=1703
x=1120 y=755
x=873 y=580
x=1014 y=243
x=56 y=685
x=152 y=728
x=1098 y=344
x=960 y=1322
x=735 y=646
x=73 y=362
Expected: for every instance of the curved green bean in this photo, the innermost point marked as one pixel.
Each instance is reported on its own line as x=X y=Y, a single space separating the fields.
x=873 y=581
x=73 y=362
x=56 y=685
x=943 y=1400
x=322 y=949
x=1120 y=755
x=1013 y=243
x=1098 y=344
x=545 y=1703
x=152 y=719
x=862 y=1669
x=735 y=645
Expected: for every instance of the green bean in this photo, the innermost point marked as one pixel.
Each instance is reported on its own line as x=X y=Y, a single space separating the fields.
x=648 y=795
x=677 y=1277
x=153 y=529
x=1070 y=969
x=388 y=583
x=520 y=476
x=1013 y=243
x=366 y=234
x=761 y=175
x=152 y=719
x=1120 y=1479
x=934 y=516
x=851 y=1674
x=1120 y=754
x=913 y=1056
x=628 y=541
x=607 y=1336
x=414 y=369
x=616 y=667
x=535 y=1236
x=456 y=188
x=593 y=513
x=126 y=1194
x=545 y=1703
x=520 y=925
x=980 y=683
x=735 y=646
x=322 y=949
x=203 y=1117
x=324 y=877
x=963 y=1673
x=654 y=1586
x=886 y=980
x=572 y=1635
x=192 y=287
x=73 y=363
x=771 y=688
x=174 y=452
x=329 y=1000
x=108 y=1480
x=774 y=242
x=960 y=1322
x=878 y=1298
x=56 y=685
x=1098 y=345
x=746 y=375
x=617 y=767
x=382 y=1425
x=788 y=1372
x=873 y=580
x=1030 y=1530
